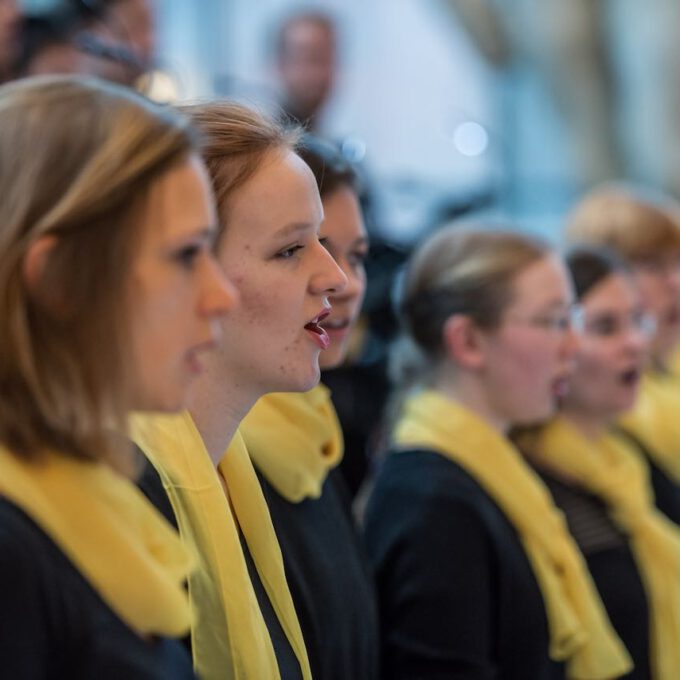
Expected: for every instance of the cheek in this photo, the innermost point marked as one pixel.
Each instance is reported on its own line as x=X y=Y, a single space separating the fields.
x=652 y=293
x=589 y=377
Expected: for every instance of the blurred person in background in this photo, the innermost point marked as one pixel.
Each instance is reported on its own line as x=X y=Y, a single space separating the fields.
x=296 y=443
x=477 y=575
x=306 y=65
x=112 y=40
x=642 y=230
x=10 y=19
x=624 y=520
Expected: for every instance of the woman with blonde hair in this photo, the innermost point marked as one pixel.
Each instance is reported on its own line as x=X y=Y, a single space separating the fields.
x=477 y=575
x=644 y=232
x=270 y=213
x=109 y=294
x=600 y=481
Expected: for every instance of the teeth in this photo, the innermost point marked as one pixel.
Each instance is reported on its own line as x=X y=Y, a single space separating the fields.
x=335 y=324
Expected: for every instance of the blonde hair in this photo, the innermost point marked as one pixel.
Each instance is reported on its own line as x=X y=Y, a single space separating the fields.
x=236 y=140
x=636 y=227
x=78 y=160
x=456 y=271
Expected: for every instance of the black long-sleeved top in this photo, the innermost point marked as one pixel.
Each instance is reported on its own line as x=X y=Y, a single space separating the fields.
x=329 y=581
x=457 y=596
x=54 y=625
x=612 y=566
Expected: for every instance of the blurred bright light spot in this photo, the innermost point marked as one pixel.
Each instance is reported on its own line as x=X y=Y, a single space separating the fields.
x=353 y=149
x=470 y=139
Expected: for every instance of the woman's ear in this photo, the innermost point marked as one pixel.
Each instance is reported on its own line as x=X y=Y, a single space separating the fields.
x=462 y=341
x=35 y=263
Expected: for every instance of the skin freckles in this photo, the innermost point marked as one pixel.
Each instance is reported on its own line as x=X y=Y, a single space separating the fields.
x=284 y=276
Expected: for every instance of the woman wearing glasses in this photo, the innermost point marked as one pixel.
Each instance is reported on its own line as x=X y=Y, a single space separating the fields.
x=476 y=572
x=600 y=481
x=643 y=233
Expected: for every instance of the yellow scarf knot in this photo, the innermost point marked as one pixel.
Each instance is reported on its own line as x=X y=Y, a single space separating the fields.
x=294 y=439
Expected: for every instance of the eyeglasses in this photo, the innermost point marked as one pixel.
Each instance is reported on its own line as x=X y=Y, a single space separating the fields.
x=557 y=321
x=611 y=325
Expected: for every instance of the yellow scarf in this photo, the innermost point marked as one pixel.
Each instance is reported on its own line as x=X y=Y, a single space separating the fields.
x=294 y=439
x=580 y=631
x=230 y=637
x=674 y=362
x=655 y=420
x=109 y=531
x=609 y=469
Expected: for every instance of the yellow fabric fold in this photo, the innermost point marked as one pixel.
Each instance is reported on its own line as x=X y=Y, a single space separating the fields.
x=229 y=637
x=115 y=538
x=609 y=469
x=655 y=420
x=294 y=439
x=581 y=634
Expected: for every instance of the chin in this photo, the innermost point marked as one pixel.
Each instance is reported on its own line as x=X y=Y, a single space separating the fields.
x=298 y=383
x=331 y=358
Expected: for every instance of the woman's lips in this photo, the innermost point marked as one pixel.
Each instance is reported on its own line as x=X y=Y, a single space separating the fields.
x=192 y=357
x=631 y=377
x=337 y=329
x=560 y=386
x=319 y=334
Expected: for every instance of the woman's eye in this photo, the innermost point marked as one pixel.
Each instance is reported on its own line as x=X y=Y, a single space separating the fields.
x=287 y=253
x=604 y=326
x=186 y=256
x=358 y=258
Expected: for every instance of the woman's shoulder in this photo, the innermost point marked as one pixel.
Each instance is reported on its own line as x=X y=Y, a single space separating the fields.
x=425 y=474
x=418 y=488
x=23 y=544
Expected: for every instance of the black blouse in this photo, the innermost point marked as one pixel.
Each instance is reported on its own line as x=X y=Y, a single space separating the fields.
x=53 y=624
x=329 y=581
x=457 y=596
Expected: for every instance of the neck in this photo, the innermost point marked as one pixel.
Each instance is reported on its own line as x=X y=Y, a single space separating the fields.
x=591 y=426
x=470 y=393
x=218 y=406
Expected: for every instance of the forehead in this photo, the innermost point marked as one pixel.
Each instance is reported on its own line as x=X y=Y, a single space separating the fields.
x=343 y=220
x=281 y=192
x=543 y=283
x=615 y=290
x=180 y=201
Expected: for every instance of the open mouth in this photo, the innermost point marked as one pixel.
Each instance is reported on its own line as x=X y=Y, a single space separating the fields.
x=560 y=386
x=318 y=333
x=631 y=377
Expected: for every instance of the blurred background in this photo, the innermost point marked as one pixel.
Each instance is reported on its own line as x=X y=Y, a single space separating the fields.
x=451 y=107
x=499 y=111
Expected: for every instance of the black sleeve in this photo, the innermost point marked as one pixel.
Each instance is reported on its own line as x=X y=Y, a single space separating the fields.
x=24 y=635
x=433 y=570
